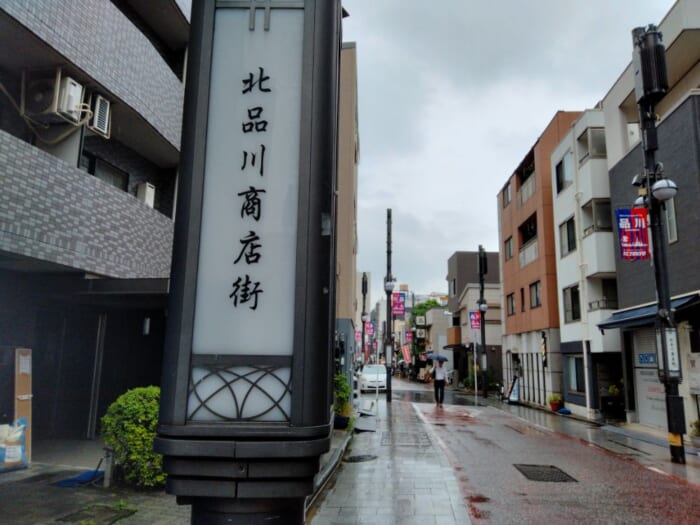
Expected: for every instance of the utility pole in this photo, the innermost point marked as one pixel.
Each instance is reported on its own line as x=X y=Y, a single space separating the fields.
x=651 y=85
x=388 y=288
x=483 y=269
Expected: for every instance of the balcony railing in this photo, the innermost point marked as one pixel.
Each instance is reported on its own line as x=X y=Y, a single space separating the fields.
x=529 y=253
x=602 y=304
x=526 y=191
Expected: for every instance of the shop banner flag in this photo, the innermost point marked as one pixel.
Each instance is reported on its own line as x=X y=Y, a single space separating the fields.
x=633 y=233
x=398 y=303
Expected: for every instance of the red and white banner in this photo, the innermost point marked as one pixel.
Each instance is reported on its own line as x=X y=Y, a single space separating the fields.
x=633 y=233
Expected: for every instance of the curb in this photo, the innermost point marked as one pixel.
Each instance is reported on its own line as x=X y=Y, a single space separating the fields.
x=328 y=467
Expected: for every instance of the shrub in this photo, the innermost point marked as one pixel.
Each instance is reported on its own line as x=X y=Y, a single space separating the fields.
x=341 y=395
x=129 y=428
x=554 y=398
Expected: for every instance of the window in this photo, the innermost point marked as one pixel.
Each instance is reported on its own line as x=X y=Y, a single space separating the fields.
x=633 y=134
x=670 y=218
x=591 y=144
x=507 y=194
x=522 y=299
x=535 y=297
x=510 y=304
x=572 y=304
x=565 y=172
x=577 y=382
x=104 y=171
x=508 y=248
x=453 y=287
x=567 y=237
x=596 y=216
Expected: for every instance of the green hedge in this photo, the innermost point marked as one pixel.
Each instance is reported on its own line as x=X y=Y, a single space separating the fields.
x=129 y=428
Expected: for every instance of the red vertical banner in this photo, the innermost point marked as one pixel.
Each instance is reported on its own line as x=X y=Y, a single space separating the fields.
x=633 y=233
x=398 y=303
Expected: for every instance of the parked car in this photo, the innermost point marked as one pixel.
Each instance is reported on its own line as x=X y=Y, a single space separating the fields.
x=373 y=377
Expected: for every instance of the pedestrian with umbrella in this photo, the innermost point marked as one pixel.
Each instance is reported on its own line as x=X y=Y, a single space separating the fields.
x=439 y=374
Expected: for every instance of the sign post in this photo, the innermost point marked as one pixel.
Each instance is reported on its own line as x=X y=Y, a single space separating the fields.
x=246 y=410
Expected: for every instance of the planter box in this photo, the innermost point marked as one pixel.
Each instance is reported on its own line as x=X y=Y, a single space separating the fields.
x=341 y=422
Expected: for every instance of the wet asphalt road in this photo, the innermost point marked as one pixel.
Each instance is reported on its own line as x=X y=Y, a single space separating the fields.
x=491 y=452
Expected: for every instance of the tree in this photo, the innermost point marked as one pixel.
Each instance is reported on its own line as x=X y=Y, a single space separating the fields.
x=420 y=310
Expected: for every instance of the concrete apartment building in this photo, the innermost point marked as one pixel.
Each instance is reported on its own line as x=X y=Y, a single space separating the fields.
x=463 y=297
x=679 y=143
x=87 y=204
x=585 y=263
x=528 y=269
x=346 y=303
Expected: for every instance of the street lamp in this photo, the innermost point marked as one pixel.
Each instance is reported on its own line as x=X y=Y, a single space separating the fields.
x=651 y=85
x=364 y=317
x=388 y=332
x=483 y=307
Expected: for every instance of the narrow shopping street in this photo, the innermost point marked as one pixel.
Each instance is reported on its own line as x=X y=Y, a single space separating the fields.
x=500 y=464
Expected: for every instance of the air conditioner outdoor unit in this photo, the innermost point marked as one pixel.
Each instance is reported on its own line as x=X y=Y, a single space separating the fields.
x=100 y=122
x=49 y=97
x=146 y=193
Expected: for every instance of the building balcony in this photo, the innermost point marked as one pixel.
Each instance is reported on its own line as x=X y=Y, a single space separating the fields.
x=61 y=216
x=602 y=304
x=529 y=253
x=526 y=191
x=599 y=249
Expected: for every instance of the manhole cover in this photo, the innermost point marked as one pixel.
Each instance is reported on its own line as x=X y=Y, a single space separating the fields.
x=405 y=439
x=543 y=473
x=360 y=458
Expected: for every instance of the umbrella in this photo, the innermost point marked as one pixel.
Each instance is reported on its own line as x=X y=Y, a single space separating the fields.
x=437 y=357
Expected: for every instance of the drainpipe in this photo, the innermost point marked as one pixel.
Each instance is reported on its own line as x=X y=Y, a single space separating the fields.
x=583 y=294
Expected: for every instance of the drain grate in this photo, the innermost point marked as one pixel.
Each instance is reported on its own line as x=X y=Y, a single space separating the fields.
x=360 y=458
x=543 y=473
x=405 y=439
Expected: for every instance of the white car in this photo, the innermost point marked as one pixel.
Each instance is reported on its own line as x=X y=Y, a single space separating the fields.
x=373 y=377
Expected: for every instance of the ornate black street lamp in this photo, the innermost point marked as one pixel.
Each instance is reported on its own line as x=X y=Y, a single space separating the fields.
x=483 y=307
x=389 y=327
x=651 y=85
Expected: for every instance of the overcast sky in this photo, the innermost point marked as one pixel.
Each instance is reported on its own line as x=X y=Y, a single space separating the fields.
x=452 y=95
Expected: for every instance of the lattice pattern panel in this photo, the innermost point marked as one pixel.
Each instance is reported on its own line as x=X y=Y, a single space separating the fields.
x=240 y=393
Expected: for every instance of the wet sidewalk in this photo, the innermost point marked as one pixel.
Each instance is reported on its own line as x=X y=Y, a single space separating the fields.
x=641 y=444
x=30 y=496
x=394 y=475
x=402 y=473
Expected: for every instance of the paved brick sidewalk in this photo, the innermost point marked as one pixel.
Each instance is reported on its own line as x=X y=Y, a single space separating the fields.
x=409 y=482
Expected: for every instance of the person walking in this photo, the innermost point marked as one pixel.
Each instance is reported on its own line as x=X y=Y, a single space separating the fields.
x=439 y=373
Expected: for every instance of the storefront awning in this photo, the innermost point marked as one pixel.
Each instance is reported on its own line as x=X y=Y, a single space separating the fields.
x=644 y=315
